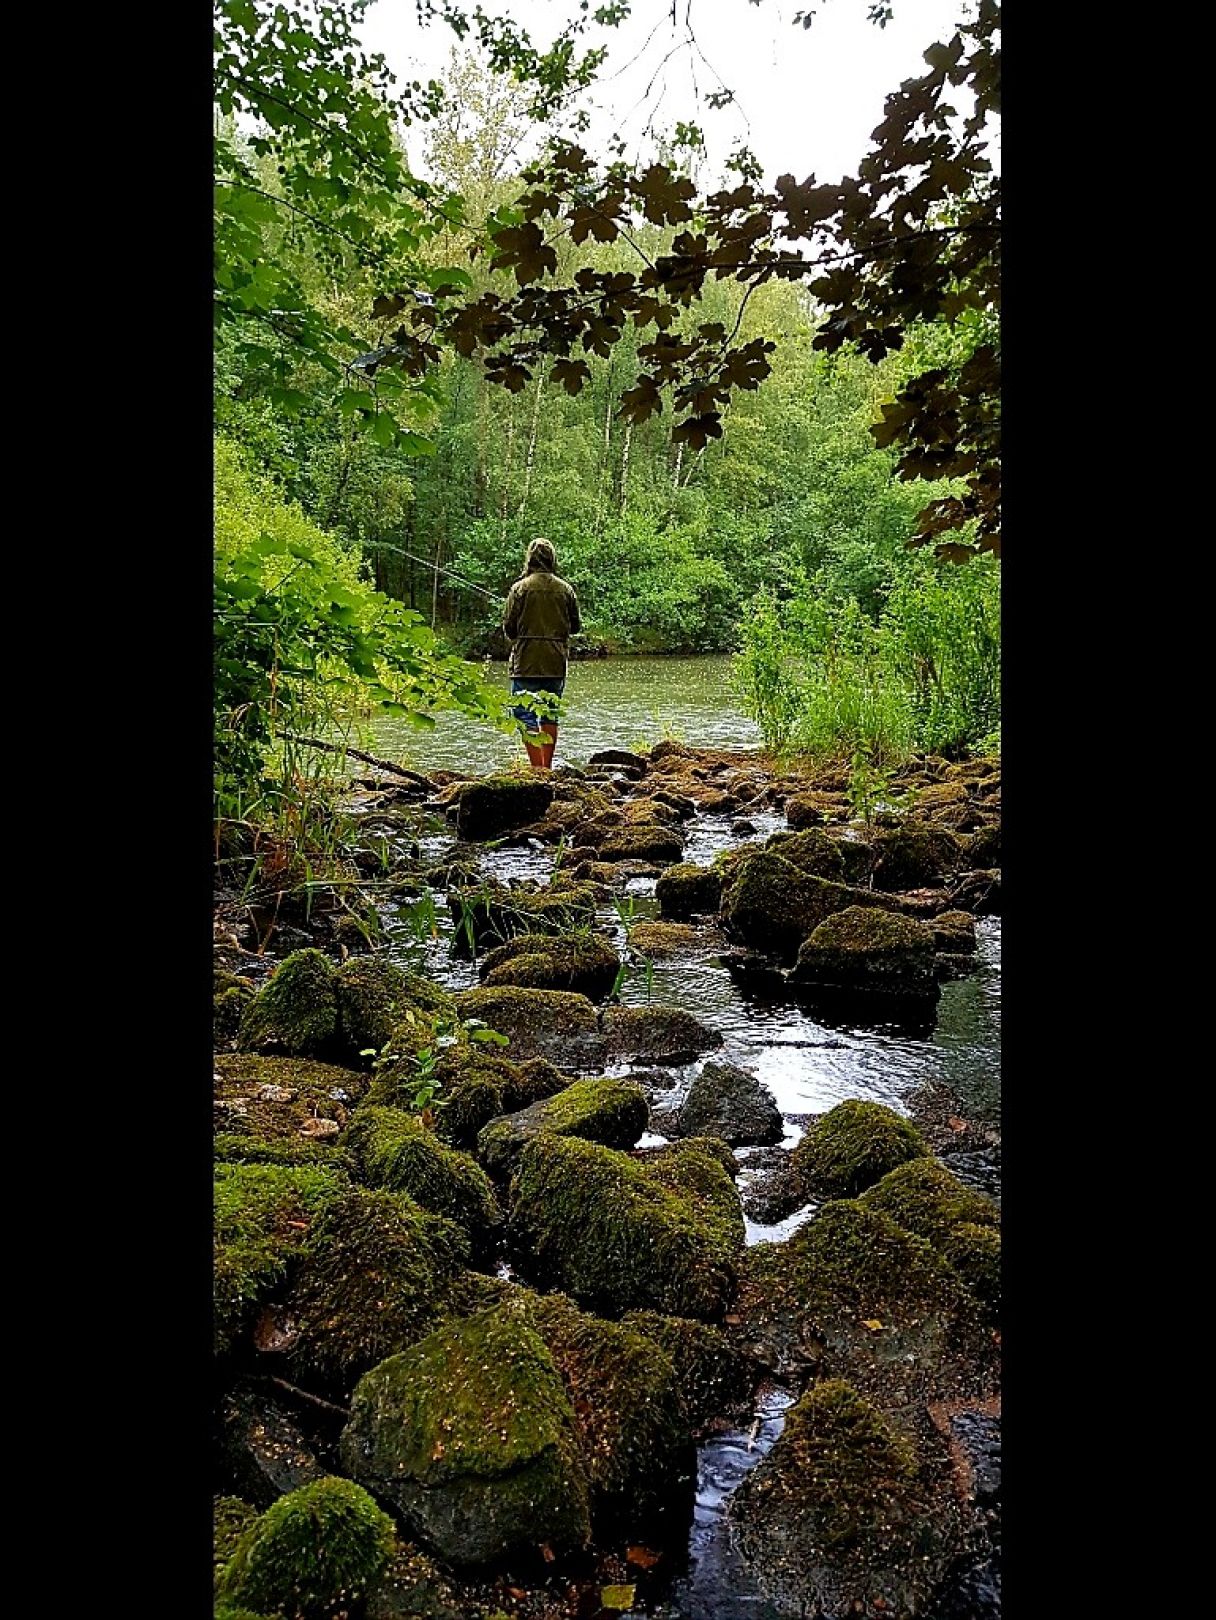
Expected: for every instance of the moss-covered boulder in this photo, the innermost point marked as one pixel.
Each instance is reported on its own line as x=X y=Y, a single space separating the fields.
x=583 y=963
x=771 y=904
x=713 y=1375
x=312 y=1555
x=729 y=1102
x=477 y=1087
x=954 y=932
x=854 y=1145
x=982 y=850
x=619 y=1234
x=297 y=1011
x=262 y=1218
x=974 y=1251
x=375 y=1276
x=842 y=1516
x=660 y=941
x=853 y=1293
x=925 y=1197
x=686 y=891
x=650 y=841
x=471 y=1437
x=811 y=851
x=277 y=1110
x=863 y=950
x=396 y=1150
x=497 y=804
x=612 y=1112
x=538 y=1023
x=812 y=809
x=486 y=916
x=657 y=1034
x=915 y=857
x=374 y=994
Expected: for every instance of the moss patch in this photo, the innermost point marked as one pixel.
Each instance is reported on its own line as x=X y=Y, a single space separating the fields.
x=471 y=1436
x=854 y=1145
x=535 y=1021
x=646 y=842
x=864 y=949
x=493 y=916
x=583 y=963
x=811 y=851
x=713 y=1375
x=688 y=891
x=311 y=1555
x=659 y=941
x=613 y=1112
x=975 y=1253
x=924 y=1197
x=297 y=1011
x=396 y=1150
x=496 y=804
x=914 y=857
x=772 y=904
x=277 y=1101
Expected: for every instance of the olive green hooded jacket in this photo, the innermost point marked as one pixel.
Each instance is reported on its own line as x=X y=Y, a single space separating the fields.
x=540 y=617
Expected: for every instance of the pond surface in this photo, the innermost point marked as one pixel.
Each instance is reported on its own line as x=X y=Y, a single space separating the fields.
x=610 y=703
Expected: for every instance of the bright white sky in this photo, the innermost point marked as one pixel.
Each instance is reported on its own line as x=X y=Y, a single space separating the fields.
x=810 y=98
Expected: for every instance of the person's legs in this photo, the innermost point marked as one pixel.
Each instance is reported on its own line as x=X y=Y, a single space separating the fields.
x=549 y=727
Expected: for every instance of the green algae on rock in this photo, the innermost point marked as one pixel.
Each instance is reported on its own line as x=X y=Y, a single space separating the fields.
x=612 y=1112
x=867 y=950
x=659 y=941
x=915 y=856
x=811 y=851
x=686 y=891
x=376 y=1276
x=974 y=1251
x=396 y=1150
x=313 y=1554
x=657 y=1034
x=497 y=804
x=854 y=1145
x=654 y=842
x=373 y=994
x=583 y=963
x=774 y=905
x=471 y=1436
x=617 y=1233
x=477 y=1087
x=536 y=1022
x=841 y=1516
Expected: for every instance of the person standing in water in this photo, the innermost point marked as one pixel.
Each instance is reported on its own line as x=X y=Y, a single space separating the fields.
x=540 y=617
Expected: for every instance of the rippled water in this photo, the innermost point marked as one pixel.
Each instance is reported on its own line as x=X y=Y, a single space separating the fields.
x=610 y=703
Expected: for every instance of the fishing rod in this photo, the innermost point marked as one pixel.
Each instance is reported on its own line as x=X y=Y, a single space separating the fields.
x=383 y=545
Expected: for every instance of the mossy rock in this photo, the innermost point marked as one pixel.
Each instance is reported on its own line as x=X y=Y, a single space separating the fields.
x=811 y=851
x=612 y=1112
x=620 y=757
x=974 y=1251
x=229 y=1148
x=583 y=963
x=313 y=1554
x=498 y=804
x=978 y=893
x=842 y=1516
x=730 y=1103
x=376 y=1276
x=262 y=1216
x=657 y=1034
x=954 y=932
x=396 y=1150
x=231 y=1516
x=982 y=850
x=652 y=842
x=862 y=1297
x=660 y=941
x=684 y=807
x=625 y=1392
x=912 y=857
x=713 y=1375
x=478 y=1087
x=538 y=1023
x=412 y=1587
x=619 y=1234
x=373 y=995
x=470 y=1436
x=923 y=1196
x=812 y=809
x=492 y=916
x=771 y=904
x=686 y=891
x=228 y=1008
x=854 y=1145
x=277 y=1102
x=863 y=950
x=297 y=1011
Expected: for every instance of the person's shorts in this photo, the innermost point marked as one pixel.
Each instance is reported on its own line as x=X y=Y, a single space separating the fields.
x=528 y=718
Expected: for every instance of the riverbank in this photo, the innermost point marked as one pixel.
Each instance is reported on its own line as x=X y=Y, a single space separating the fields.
x=726 y=1204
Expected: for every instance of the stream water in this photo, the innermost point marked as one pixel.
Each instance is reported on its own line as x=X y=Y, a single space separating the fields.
x=808 y=1064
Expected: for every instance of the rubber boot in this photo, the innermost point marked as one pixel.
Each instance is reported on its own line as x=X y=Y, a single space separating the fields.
x=550 y=731
x=536 y=755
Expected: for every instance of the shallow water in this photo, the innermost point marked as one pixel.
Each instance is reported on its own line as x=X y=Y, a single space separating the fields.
x=609 y=703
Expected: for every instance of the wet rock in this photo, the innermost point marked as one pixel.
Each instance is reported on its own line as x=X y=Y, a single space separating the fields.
x=654 y=1079
x=774 y=1195
x=496 y=804
x=653 y=843
x=813 y=809
x=660 y=941
x=670 y=749
x=412 y=1587
x=842 y=1515
x=657 y=1035
x=772 y=904
x=395 y=1150
x=811 y=851
x=264 y=1453
x=489 y=917
x=852 y=1146
x=313 y=1551
x=617 y=1233
x=728 y=1102
x=471 y=1437
x=853 y=1294
x=583 y=963
x=538 y=1023
x=864 y=949
x=950 y=965
x=915 y=857
x=375 y=1275
x=619 y=756
x=684 y=807
x=954 y=933
x=983 y=849
x=477 y=1088
x=979 y=893
x=979 y=1439
x=979 y=1169
x=612 y=1112
x=687 y=891
x=743 y=828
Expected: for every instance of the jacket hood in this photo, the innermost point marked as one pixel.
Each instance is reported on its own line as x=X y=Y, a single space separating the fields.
x=541 y=558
